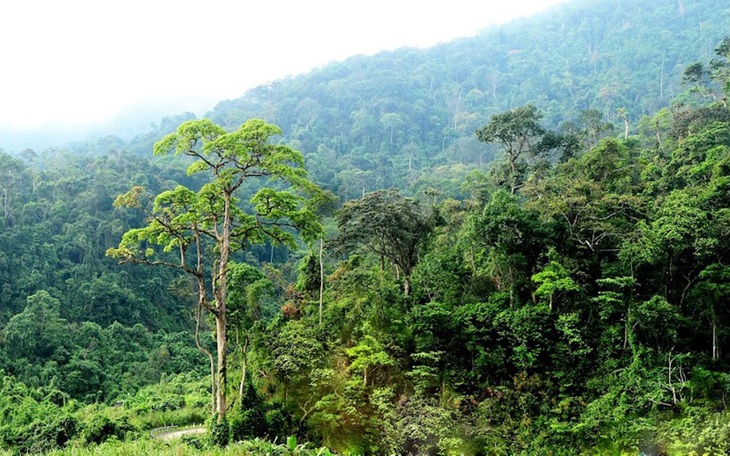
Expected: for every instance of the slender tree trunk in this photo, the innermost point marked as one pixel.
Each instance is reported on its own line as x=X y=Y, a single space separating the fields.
x=669 y=379
x=513 y=175
x=626 y=328
x=714 y=340
x=213 y=382
x=661 y=81
x=202 y=304
x=321 y=279
x=244 y=367
x=220 y=334
x=207 y=352
x=6 y=205
x=220 y=295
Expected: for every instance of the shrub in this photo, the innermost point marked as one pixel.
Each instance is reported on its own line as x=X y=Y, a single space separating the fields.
x=219 y=432
x=101 y=428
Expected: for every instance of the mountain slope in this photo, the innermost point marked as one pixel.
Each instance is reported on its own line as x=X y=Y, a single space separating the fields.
x=379 y=121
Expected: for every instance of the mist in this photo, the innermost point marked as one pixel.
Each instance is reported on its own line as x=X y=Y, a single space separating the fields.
x=125 y=124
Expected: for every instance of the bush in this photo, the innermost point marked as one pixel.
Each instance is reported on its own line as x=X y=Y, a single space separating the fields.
x=101 y=428
x=196 y=441
x=247 y=424
x=249 y=419
x=279 y=423
x=44 y=436
x=219 y=432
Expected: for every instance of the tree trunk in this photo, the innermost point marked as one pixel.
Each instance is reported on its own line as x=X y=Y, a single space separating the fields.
x=513 y=176
x=220 y=335
x=244 y=367
x=626 y=328
x=213 y=394
x=202 y=304
x=6 y=210
x=321 y=279
x=220 y=297
x=204 y=350
x=661 y=81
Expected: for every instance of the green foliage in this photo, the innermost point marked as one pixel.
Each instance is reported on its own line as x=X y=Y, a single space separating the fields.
x=367 y=356
x=572 y=301
x=295 y=350
x=36 y=332
x=517 y=131
x=406 y=118
x=46 y=435
x=219 y=432
x=101 y=428
x=249 y=419
x=553 y=280
x=388 y=225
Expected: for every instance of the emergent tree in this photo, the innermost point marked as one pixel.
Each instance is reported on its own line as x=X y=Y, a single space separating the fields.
x=388 y=225
x=206 y=227
x=517 y=131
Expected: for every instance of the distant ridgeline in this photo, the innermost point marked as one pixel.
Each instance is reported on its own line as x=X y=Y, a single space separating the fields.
x=381 y=121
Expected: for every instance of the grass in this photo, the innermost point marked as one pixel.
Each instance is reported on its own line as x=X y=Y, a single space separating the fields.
x=256 y=447
x=147 y=447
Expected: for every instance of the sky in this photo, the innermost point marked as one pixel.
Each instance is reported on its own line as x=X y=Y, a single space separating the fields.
x=72 y=63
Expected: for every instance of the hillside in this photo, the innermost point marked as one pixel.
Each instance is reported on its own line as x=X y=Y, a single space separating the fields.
x=388 y=120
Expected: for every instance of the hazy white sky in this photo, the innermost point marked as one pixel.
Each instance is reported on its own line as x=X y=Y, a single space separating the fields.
x=76 y=62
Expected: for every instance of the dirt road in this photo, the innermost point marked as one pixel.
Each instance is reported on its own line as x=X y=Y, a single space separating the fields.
x=176 y=433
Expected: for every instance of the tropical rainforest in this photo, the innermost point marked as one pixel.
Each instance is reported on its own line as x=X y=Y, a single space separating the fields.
x=514 y=243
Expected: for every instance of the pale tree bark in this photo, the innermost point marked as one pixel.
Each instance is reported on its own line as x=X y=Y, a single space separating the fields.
x=244 y=367
x=207 y=352
x=224 y=240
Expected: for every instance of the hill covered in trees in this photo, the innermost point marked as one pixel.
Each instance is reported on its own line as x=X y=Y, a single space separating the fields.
x=558 y=287
x=406 y=118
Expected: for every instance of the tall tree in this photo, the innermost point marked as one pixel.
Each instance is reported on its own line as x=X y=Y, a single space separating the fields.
x=517 y=131
x=212 y=223
x=707 y=79
x=387 y=224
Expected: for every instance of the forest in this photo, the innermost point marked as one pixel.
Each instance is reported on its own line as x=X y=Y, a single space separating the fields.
x=419 y=252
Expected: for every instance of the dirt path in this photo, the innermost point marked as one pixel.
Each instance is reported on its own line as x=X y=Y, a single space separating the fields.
x=176 y=433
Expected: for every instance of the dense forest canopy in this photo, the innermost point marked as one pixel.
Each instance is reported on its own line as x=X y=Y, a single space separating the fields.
x=524 y=250
x=390 y=120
